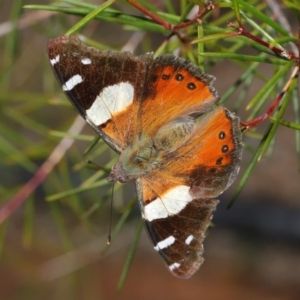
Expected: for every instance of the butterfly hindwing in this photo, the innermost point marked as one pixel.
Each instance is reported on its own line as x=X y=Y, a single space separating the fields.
x=179 y=238
x=178 y=198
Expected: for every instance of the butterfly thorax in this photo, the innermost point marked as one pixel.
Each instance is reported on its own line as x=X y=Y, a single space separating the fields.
x=146 y=154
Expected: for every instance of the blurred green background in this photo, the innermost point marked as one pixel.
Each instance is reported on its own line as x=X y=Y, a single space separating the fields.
x=55 y=249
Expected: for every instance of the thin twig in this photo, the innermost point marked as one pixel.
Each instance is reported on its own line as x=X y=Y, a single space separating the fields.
x=42 y=172
x=28 y=19
x=253 y=123
x=281 y=19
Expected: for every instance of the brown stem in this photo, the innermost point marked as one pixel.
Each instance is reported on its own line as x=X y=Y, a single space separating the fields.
x=150 y=14
x=208 y=7
x=248 y=125
x=241 y=31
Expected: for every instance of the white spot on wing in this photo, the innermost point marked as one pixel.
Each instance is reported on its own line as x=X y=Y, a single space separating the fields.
x=189 y=239
x=72 y=82
x=113 y=99
x=55 y=60
x=86 y=61
x=165 y=243
x=168 y=204
x=174 y=266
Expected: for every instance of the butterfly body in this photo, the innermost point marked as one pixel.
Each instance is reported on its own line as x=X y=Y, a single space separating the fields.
x=145 y=154
x=161 y=116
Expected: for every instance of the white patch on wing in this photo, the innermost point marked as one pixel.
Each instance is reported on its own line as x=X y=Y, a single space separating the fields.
x=112 y=99
x=72 y=82
x=165 y=243
x=189 y=239
x=86 y=61
x=55 y=60
x=171 y=203
x=174 y=266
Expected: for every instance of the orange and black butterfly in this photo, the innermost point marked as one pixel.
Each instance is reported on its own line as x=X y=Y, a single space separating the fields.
x=161 y=116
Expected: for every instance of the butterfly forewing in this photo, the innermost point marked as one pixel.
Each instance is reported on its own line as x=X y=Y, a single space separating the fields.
x=170 y=93
x=104 y=86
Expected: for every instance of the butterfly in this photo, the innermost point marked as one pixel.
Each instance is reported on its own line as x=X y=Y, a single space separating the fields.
x=161 y=115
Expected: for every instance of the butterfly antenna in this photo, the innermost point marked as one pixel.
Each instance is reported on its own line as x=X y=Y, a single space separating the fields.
x=96 y=166
x=110 y=215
